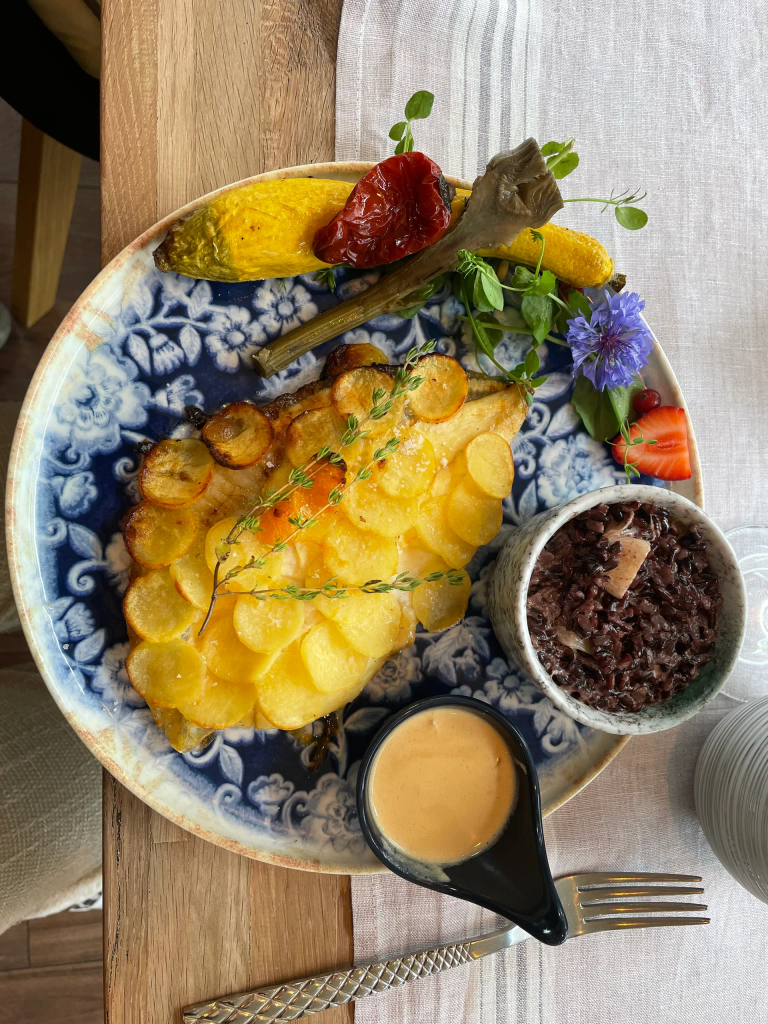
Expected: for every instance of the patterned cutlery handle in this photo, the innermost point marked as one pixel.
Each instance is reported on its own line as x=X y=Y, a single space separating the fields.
x=296 y=999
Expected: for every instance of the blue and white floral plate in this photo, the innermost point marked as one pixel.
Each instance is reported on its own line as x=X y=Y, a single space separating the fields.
x=136 y=348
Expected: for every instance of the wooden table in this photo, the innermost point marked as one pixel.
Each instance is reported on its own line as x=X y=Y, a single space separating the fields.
x=195 y=94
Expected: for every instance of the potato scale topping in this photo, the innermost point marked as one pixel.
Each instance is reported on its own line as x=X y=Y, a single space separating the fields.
x=265 y=658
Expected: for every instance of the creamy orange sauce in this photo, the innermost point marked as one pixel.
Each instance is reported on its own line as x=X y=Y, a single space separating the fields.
x=442 y=785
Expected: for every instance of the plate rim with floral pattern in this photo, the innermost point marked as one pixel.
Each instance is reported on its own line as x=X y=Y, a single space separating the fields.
x=289 y=833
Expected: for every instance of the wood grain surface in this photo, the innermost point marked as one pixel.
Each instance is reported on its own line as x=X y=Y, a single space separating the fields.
x=48 y=178
x=195 y=94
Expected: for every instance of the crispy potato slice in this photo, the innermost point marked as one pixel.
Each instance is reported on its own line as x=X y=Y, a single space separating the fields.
x=193 y=578
x=226 y=656
x=230 y=492
x=472 y=515
x=369 y=622
x=489 y=462
x=442 y=391
x=369 y=508
x=157 y=536
x=331 y=662
x=155 y=609
x=502 y=412
x=260 y=720
x=269 y=625
x=449 y=476
x=299 y=556
x=287 y=697
x=221 y=704
x=238 y=435
x=441 y=604
x=410 y=470
x=356 y=557
x=433 y=529
x=166 y=674
x=349 y=357
x=310 y=432
x=248 y=546
x=182 y=735
x=317 y=572
x=352 y=395
x=175 y=473
x=407 y=632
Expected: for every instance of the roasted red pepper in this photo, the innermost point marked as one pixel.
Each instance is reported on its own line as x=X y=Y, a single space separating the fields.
x=400 y=206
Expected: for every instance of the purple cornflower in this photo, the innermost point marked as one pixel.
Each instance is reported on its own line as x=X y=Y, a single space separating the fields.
x=614 y=344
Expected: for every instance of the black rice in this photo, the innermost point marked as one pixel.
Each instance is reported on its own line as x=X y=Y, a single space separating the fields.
x=642 y=648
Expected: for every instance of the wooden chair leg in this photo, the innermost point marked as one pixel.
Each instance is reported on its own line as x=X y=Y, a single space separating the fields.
x=48 y=177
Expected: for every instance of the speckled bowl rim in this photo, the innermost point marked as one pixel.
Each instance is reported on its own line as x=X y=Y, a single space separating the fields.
x=593 y=717
x=351 y=170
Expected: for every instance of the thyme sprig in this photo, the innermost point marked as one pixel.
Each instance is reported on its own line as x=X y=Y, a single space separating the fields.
x=402 y=582
x=326 y=276
x=302 y=477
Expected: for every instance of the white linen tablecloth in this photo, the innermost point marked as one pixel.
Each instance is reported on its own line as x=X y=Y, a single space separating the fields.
x=669 y=97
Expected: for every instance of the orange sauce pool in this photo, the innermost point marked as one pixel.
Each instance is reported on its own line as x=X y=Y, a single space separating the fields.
x=442 y=785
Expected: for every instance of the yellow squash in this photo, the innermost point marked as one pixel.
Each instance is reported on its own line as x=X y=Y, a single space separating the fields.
x=254 y=232
x=267 y=229
x=572 y=256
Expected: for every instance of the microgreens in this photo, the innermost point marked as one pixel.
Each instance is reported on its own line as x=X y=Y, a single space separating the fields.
x=630 y=217
x=418 y=107
x=478 y=286
x=630 y=469
x=561 y=157
x=486 y=341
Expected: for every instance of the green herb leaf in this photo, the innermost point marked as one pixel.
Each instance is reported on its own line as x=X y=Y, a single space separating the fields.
x=478 y=279
x=398 y=130
x=543 y=285
x=531 y=363
x=579 y=304
x=494 y=331
x=569 y=163
x=487 y=293
x=522 y=277
x=403 y=146
x=596 y=410
x=482 y=339
x=621 y=400
x=537 y=313
x=631 y=217
x=416 y=300
x=561 y=157
x=419 y=105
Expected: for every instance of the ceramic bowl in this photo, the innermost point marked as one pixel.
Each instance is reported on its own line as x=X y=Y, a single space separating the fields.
x=731 y=794
x=508 y=593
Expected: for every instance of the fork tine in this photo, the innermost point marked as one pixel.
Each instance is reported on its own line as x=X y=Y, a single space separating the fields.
x=589 y=897
x=608 y=924
x=634 y=908
x=606 y=878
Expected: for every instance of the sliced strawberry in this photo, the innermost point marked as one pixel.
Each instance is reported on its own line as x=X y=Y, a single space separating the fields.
x=669 y=458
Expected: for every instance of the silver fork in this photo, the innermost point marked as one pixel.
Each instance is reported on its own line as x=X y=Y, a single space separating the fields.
x=592 y=903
